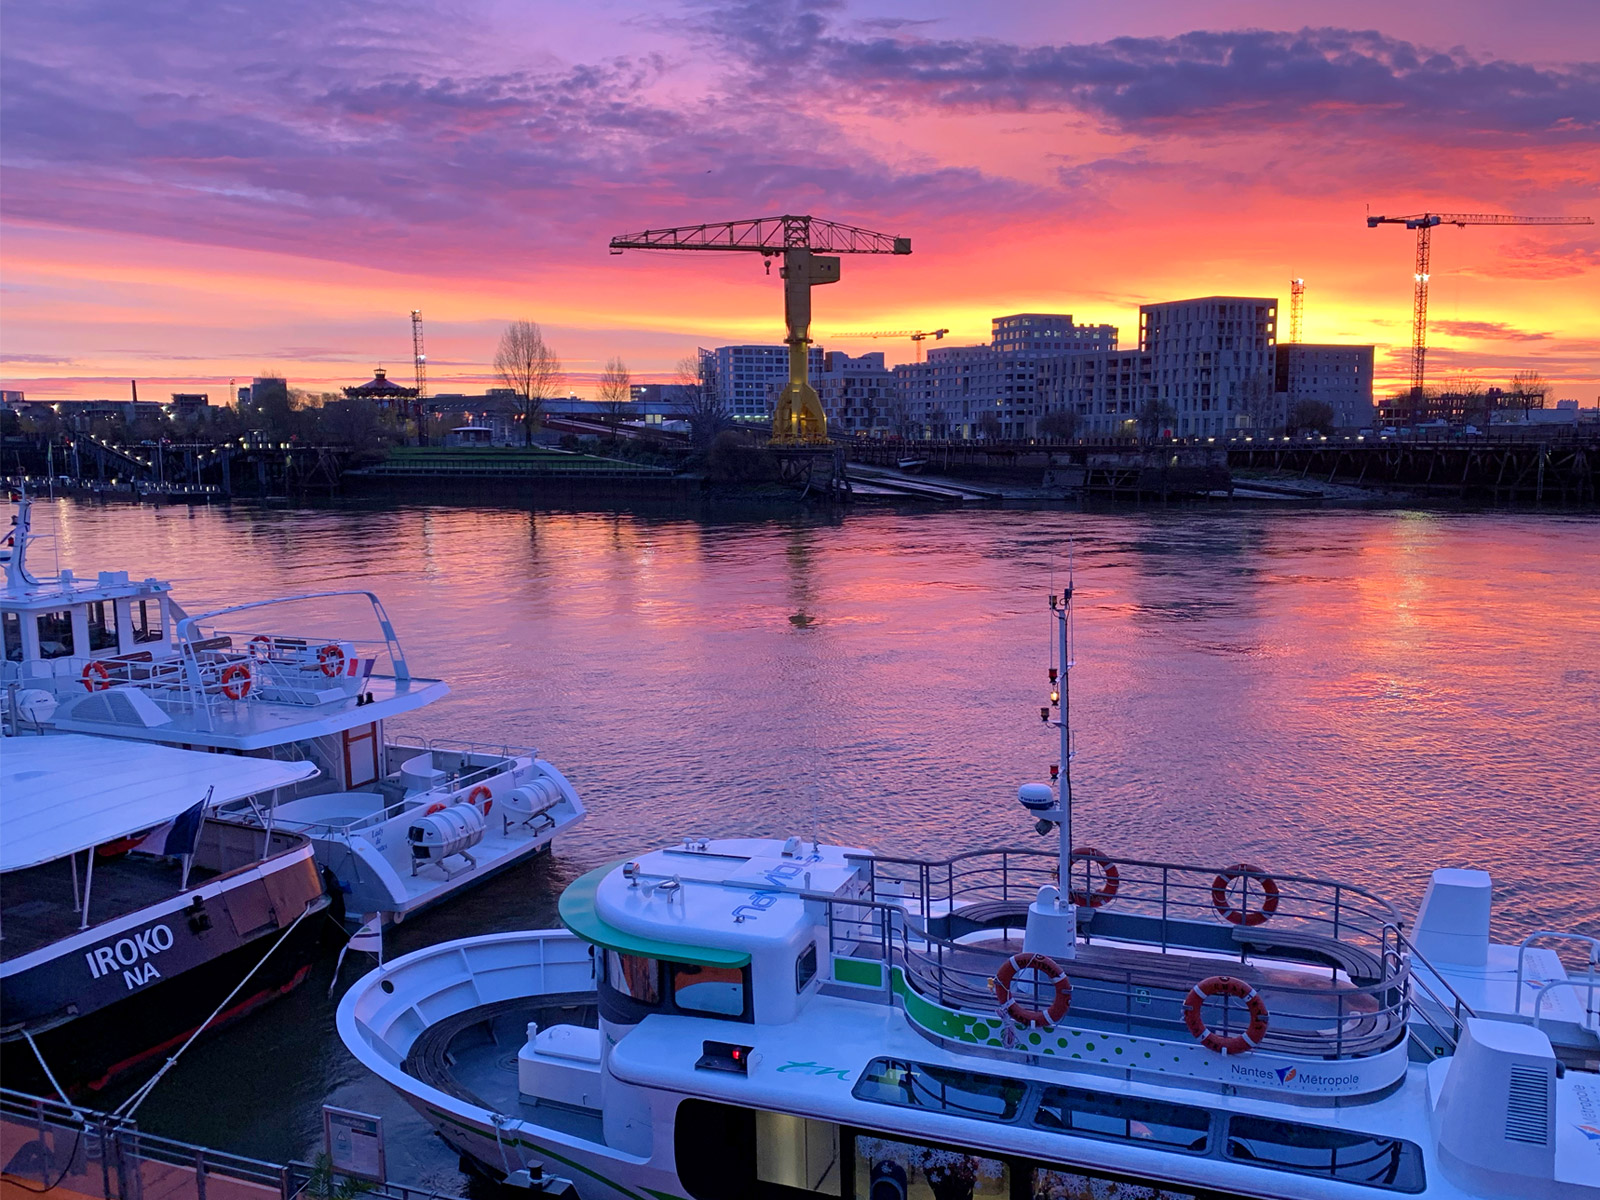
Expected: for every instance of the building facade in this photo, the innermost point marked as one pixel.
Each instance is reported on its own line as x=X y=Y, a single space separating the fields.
x=992 y=391
x=1103 y=391
x=748 y=377
x=859 y=395
x=1338 y=376
x=1212 y=361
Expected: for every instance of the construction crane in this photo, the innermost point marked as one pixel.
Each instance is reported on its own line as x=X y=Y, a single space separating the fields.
x=810 y=248
x=421 y=361
x=1424 y=223
x=916 y=335
x=1297 y=307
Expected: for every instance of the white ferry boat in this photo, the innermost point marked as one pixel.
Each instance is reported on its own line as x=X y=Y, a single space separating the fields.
x=140 y=921
x=400 y=822
x=747 y=1018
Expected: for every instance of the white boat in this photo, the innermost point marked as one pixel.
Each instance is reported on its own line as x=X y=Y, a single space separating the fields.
x=400 y=822
x=753 y=1017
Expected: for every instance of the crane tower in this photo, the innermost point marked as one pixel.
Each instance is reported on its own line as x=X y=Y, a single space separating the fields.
x=917 y=336
x=1424 y=224
x=1297 y=307
x=810 y=248
x=421 y=361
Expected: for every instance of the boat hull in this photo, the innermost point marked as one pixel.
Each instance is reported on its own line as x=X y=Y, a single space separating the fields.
x=87 y=1052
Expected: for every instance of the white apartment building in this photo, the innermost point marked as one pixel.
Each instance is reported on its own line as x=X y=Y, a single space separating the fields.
x=992 y=391
x=748 y=377
x=1339 y=376
x=1206 y=355
x=858 y=395
x=1103 y=389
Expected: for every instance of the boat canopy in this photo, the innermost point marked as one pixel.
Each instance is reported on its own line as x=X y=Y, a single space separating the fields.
x=70 y=792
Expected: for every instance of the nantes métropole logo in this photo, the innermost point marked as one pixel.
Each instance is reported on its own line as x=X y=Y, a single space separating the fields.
x=1590 y=1132
x=1286 y=1074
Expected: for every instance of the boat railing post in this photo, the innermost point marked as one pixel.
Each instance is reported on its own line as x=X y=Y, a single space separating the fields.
x=1338 y=896
x=1164 y=882
x=285 y=1188
x=199 y=1173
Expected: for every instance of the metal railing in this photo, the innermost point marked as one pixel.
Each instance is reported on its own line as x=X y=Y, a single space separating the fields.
x=915 y=916
x=47 y=1147
x=1589 y=983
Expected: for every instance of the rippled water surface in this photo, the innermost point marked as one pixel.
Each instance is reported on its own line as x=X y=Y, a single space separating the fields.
x=1356 y=695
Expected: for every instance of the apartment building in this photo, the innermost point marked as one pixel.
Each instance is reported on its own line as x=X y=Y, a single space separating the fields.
x=749 y=376
x=1338 y=376
x=858 y=394
x=1213 y=360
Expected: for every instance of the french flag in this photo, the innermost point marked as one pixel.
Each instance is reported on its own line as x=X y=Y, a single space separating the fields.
x=359 y=668
x=177 y=837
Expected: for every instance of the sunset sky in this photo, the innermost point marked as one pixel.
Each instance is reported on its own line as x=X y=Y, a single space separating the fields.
x=198 y=191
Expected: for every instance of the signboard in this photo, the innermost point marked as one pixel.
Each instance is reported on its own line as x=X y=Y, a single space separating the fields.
x=355 y=1143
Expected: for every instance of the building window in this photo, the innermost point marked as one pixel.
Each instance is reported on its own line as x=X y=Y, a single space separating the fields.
x=145 y=617
x=102 y=626
x=55 y=634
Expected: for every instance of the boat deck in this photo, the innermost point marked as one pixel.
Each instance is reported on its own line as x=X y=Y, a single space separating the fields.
x=38 y=906
x=472 y=1055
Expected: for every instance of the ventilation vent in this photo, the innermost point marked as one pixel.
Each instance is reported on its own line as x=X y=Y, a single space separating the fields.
x=1527 y=1106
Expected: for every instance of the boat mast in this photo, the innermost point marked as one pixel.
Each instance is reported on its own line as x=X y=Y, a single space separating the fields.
x=1062 y=612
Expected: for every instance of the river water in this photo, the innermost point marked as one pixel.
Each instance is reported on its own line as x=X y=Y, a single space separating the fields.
x=1356 y=695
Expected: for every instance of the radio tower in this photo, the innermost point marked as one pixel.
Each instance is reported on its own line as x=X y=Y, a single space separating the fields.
x=1297 y=307
x=422 y=375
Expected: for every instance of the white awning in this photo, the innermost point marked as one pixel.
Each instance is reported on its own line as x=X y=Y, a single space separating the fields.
x=62 y=793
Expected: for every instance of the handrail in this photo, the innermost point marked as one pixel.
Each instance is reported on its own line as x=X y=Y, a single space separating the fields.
x=1538 y=1003
x=1456 y=1005
x=1594 y=961
x=188 y=626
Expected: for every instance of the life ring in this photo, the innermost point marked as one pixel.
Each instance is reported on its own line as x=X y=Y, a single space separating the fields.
x=1101 y=895
x=331 y=659
x=1238 y=916
x=241 y=672
x=1046 y=966
x=260 y=647
x=96 y=676
x=481 y=792
x=434 y=808
x=1226 y=985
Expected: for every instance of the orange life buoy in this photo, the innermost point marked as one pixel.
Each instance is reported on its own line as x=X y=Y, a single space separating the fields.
x=1046 y=966
x=1225 y=985
x=260 y=647
x=241 y=672
x=96 y=676
x=331 y=659
x=481 y=792
x=434 y=808
x=1101 y=895
x=1238 y=916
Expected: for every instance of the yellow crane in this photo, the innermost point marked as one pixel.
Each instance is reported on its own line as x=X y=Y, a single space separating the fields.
x=810 y=248
x=916 y=335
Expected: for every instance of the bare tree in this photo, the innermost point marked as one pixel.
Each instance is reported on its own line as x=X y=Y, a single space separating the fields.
x=1264 y=407
x=701 y=396
x=616 y=392
x=1529 y=390
x=527 y=365
x=1156 y=418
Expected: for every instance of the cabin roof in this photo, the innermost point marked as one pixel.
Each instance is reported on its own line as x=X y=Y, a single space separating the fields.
x=108 y=789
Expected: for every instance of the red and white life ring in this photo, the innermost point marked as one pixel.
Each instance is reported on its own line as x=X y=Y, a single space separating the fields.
x=1239 y=916
x=1101 y=895
x=96 y=676
x=481 y=792
x=260 y=647
x=1226 y=985
x=331 y=659
x=237 y=671
x=1044 y=965
x=434 y=808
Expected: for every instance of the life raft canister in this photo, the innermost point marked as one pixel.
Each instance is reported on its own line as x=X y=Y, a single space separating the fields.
x=1238 y=916
x=96 y=676
x=1102 y=895
x=1044 y=965
x=239 y=672
x=1238 y=989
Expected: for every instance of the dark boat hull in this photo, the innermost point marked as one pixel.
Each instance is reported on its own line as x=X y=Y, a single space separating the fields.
x=88 y=1051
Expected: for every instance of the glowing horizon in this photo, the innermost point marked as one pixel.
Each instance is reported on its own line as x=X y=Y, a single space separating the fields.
x=192 y=199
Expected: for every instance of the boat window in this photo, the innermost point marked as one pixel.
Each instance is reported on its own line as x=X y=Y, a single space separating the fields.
x=102 y=626
x=635 y=977
x=55 y=634
x=888 y=1167
x=1058 y=1183
x=941 y=1089
x=805 y=967
x=719 y=991
x=13 y=636
x=1099 y=1114
x=1332 y=1153
x=797 y=1152
x=145 y=617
